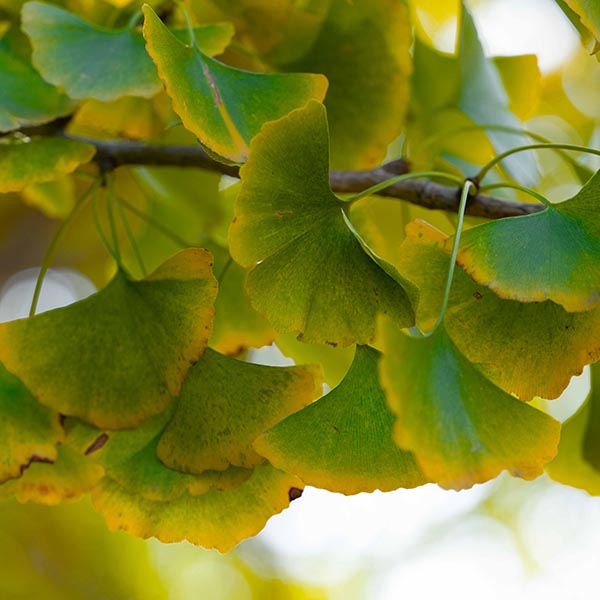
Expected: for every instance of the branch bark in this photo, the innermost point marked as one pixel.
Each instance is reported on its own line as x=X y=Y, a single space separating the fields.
x=422 y=192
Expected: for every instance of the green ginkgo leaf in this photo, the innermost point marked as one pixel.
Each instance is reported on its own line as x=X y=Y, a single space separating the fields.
x=29 y=432
x=461 y=427
x=95 y=62
x=25 y=160
x=550 y=255
x=223 y=106
x=309 y=272
x=214 y=520
x=502 y=338
x=119 y=356
x=225 y=404
x=343 y=442
x=129 y=458
x=25 y=98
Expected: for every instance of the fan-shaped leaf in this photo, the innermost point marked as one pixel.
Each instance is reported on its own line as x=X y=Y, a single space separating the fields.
x=550 y=255
x=118 y=356
x=94 y=62
x=502 y=338
x=223 y=106
x=25 y=160
x=309 y=272
x=129 y=457
x=462 y=428
x=225 y=404
x=343 y=442
x=214 y=520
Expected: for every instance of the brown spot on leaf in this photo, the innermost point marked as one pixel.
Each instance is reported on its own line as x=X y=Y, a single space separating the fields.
x=477 y=296
x=335 y=428
x=332 y=344
x=35 y=458
x=284 y=213
x=294 y=493
x=98 y=443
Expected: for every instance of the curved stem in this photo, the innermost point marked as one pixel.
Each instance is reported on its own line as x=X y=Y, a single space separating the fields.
x=521 y=188
x=53 y=247
x=131 y=238
x=134 y=19
x=158 y=226
x=415 y=331
x=101 y=233
x=504 y=155
x=399 y=178
x=188 y=23
x=110 y=208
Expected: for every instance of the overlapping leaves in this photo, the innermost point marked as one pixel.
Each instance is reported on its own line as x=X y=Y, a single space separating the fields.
x=93 y=62
x=343 y=442
x=551 y=255
x=223 y=106
x=461 y=427
x=162 y=437
x=309 y=273
x=502 y=338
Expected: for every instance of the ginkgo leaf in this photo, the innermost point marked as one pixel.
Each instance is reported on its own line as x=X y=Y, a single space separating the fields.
x=550 y=255
x=461 y=427
x=225 y=404
x=343 y=442
x=309 y=272
x=223 y=106
x=363 y=47
x=26 y=160
x=129 y=458
x=502 y=338
x=214 y=520
x=29 y=432
x=25 y=98
x=95 y=62
x=66 y=479
x=119 y=356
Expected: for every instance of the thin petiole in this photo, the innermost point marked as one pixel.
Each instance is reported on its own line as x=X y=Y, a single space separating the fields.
x=158 y=226
x=503 y=155
x=53 y=247
x=110 y=209
x=188 y=22
x=521 y=188
x=131 y=238
x=101 y=233
x=415 y=331
x=374 y=189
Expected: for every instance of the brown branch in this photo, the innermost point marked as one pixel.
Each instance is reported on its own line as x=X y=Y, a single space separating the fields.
x=422 y=192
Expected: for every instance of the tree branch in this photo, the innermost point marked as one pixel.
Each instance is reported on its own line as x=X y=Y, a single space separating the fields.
x=113 y=154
